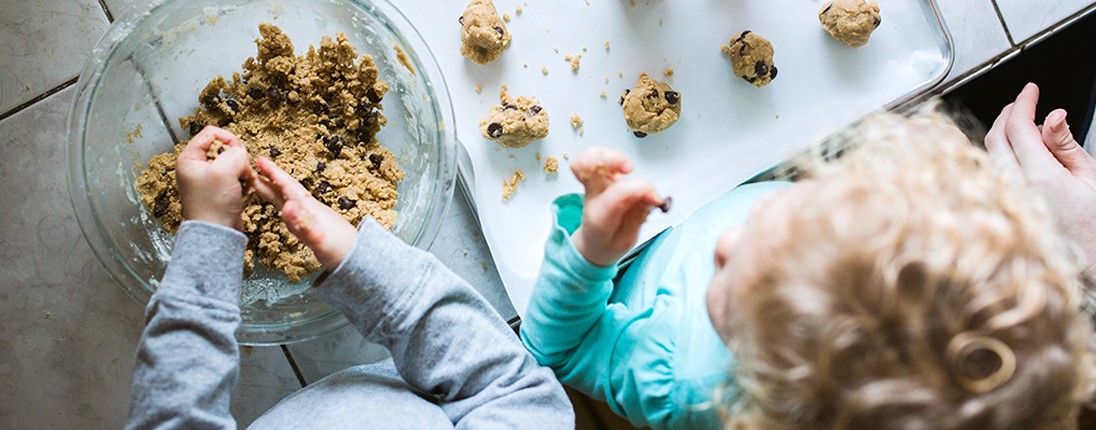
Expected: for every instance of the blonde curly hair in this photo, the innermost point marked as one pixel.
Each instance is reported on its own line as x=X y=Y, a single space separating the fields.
x=915 y=288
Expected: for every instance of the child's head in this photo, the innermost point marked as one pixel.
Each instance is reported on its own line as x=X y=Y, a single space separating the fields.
x=907 y=284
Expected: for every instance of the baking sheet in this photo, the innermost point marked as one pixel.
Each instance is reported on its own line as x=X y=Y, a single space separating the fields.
x=729 y=130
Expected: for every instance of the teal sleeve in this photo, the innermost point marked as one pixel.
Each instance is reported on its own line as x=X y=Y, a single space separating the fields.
x=569 y=325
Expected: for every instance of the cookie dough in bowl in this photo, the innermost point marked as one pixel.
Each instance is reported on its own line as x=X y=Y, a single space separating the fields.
x=155 y=66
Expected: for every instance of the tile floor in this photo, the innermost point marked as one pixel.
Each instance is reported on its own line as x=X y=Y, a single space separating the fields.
x=67 y=334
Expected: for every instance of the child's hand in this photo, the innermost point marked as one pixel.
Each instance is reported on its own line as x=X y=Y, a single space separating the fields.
x=210 y=190
x=615 y=208
x=318 y=226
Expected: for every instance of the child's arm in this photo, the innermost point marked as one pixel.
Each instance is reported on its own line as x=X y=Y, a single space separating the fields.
x=445 y=339
x=188 y=359
x=569 y=325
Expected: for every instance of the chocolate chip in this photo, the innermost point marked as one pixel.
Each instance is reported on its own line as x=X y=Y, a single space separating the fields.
x=508 y=106
x=320 y=166
x=364 y=136
x=772 y=72
x=653 y=94
x=376 y=159
x=211 y=103
x=742 y=49
x=535 y=109
x=639 y=134
x=494 y=130
x=320 y=109
x=323 y=187
x=274 y=94
x=878 y=21
x=666 y=204
x=307 y=182
x=346 y=204
x=500 y=31
x=233 y=105
x=461 y=20
x=672 y=97
x=827 y=9
x=372 y=96
x=750 y=79
x=333 y=144
x=195 y=128
x=761 y=69
x=340 y=123
x=274 y=152
x=622 y=96
x=256 y=93
x=742 y=37
x=159 y=209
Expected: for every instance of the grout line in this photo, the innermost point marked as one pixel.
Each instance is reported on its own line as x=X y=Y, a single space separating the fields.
x=1001 y=18
x=293 y=364
x=106 y=10
x=40 y=97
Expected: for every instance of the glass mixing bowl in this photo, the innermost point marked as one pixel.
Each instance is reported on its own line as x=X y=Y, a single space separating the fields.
x=147 y=72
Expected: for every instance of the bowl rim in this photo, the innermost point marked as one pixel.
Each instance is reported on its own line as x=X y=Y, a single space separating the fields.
x=139 y=289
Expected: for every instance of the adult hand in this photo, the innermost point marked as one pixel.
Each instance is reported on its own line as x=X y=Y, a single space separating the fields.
x=615 y=208
x=1050 y=159
x=324 y=231
x=210 y=190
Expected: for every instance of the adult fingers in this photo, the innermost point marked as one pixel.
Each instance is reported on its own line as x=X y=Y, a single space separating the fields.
x=997 y=144
x=1024 y=136
x=1059 y=140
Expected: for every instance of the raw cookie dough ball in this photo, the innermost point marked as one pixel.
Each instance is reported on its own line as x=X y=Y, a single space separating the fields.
x=850 y=21
x=650 y=107
x=752 y=58
x=483 y=34
x=515 y=123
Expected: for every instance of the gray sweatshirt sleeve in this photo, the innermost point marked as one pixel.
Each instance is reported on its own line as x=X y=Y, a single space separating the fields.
x=188 y=359
x=446 y=341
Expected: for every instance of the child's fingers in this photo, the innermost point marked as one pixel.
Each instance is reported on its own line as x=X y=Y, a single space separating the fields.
x=997 y=144
x=609 y=211
x=235 y=161
x=598 y=168
x=284 y=184
x=199 y=144
x=1025 y=138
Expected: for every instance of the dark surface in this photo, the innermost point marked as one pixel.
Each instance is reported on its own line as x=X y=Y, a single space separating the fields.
x=1064 y=67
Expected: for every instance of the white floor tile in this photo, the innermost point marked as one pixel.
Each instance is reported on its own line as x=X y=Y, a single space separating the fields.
x=44 y=43
x=1026 y=18
x=976 y=31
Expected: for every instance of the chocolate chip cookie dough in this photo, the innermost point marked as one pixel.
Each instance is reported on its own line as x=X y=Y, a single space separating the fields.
x=850 y=21
x=515 y=123
x=752 y=58
x=650 y=107
x=483 y=34
x=316 y=116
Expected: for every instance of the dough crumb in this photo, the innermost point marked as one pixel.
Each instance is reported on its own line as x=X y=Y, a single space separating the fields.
x=668 y=72
x=479 y=88
x=511 y=185
x=603 y=95
x=551 y=165
x=544 y=70
x=402 y=58
x=556 y=49
x=538 y=155
x=583 y=49
x=576 y=121
x=606 y=45
x=566 y=155
x=518 y=10
x=506 y=17
x=620 y=75
x=574 y=62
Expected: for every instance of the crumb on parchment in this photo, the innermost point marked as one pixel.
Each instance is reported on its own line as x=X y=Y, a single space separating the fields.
x=603 y=95
x=551 y=165
x=511 y=185
x=566 y=155
x=544 y=70
x=668 y=72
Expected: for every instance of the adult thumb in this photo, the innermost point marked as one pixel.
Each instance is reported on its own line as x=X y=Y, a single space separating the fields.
x=1059 y=140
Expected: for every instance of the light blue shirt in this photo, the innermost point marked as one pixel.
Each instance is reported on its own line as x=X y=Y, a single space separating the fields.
x=643 y=344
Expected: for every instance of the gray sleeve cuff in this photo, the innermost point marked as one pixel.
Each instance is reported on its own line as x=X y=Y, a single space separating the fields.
x=207 y=261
